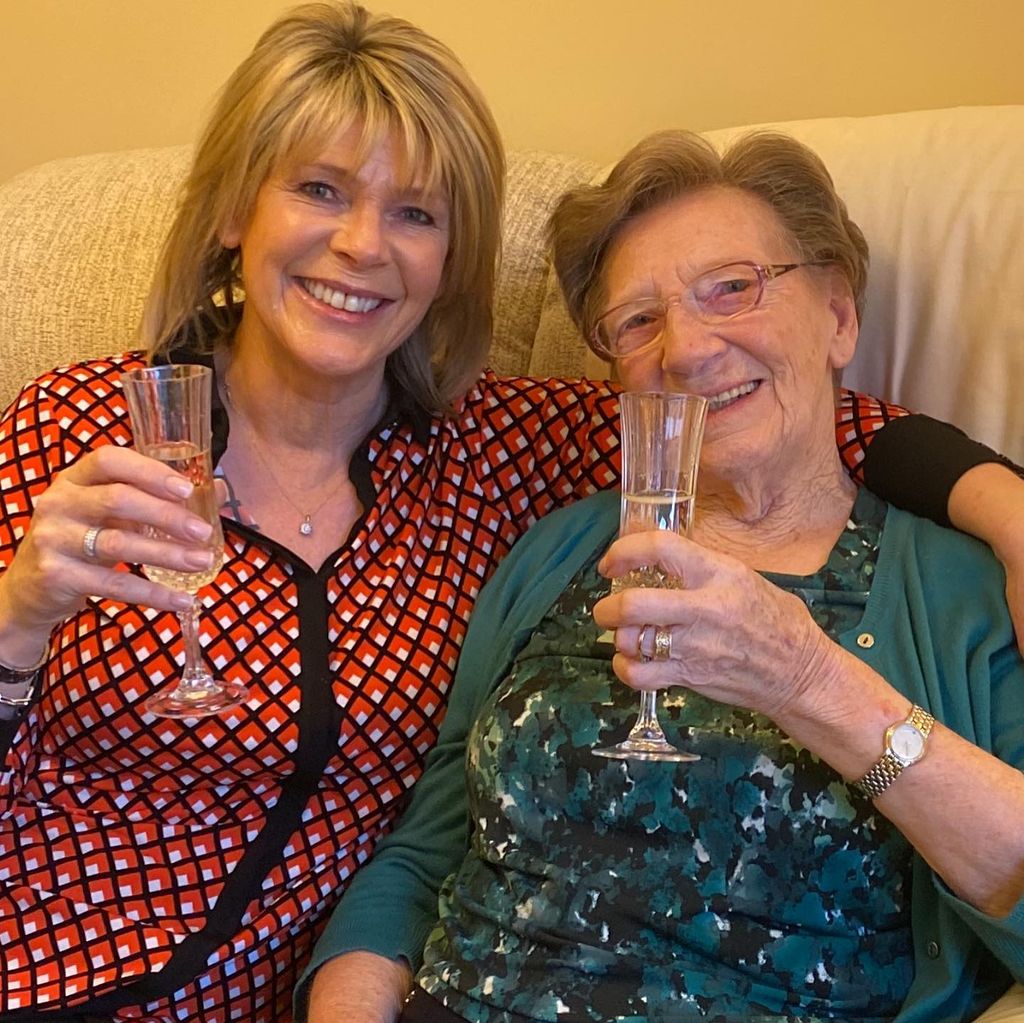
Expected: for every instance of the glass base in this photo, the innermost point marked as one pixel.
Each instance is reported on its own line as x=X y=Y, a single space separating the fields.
x=646 y=749
x=198 y=701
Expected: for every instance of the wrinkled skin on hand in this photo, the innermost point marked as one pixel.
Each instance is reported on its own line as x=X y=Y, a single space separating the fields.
x=736 y=638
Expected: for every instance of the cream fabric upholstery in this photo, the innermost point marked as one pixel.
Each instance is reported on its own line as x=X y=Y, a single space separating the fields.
x=939 y=194
x=79 y=239
x=1009 y=1008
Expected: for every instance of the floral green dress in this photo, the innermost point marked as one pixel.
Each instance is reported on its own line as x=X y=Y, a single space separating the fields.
x=750 y=885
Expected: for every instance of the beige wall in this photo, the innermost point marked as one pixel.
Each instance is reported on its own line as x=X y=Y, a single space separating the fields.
x=586 y=76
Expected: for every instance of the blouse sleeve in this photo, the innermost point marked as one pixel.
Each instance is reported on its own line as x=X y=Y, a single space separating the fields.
x=910 y=460
x=31 y=453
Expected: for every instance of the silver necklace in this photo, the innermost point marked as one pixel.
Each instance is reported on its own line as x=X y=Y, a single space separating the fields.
x=306 y=525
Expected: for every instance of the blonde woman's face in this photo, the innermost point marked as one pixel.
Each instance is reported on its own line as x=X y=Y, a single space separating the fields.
x=340 y=260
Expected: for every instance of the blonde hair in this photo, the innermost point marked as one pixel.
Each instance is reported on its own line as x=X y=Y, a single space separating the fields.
x=318 y=70
x=784 y=174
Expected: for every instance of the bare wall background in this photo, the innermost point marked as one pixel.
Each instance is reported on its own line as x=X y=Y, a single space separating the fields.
x=584 y=76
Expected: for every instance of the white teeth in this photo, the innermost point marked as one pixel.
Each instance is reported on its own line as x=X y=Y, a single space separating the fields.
x=719 y=400
x=339 y=299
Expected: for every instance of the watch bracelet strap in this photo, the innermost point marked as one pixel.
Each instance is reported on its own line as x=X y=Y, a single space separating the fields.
x=18 y=688
x=888 y=768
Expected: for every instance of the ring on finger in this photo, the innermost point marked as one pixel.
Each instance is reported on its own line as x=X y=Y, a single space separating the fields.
x=662 y=643
x=89 y=551
x=642 y=646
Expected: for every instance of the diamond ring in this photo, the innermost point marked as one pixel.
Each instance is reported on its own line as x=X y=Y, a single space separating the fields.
x=89 y=542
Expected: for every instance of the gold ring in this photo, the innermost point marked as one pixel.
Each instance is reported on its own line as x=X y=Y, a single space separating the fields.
x=89 y=542
x=662 y=643
x=641 y=643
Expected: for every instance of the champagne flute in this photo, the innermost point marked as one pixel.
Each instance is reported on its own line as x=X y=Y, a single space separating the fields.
x=169 y=407
x=661 y=437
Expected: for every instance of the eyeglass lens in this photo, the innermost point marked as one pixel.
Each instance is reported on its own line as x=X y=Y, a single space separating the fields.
x=716 y=295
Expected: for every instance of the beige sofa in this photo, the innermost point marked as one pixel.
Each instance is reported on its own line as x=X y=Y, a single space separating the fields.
x=939 y=194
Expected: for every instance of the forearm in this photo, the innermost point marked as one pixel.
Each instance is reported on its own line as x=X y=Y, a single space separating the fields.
x=20 y=644
x=988 y=502
x=916 y=462
x=960 y=807
x=359 y=987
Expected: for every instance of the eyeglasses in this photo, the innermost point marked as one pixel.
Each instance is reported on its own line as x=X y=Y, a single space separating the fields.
x=716 y=295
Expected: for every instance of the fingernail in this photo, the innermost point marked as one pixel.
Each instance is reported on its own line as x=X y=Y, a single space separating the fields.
x=199 y=529
x=179 y=487
x=182 y=601
x=199 y=559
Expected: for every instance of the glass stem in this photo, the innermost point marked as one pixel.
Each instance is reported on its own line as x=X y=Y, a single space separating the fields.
x=647 y=726
x=196 y=675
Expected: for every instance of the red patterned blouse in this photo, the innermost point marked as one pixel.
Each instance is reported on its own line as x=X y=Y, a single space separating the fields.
x=165 y=870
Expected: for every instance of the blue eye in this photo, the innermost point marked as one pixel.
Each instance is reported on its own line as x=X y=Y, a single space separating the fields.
x=417 y=215
x=726 y=291
x=733 y=287
x=639 y=327
x=318 y=190
x=638 y=321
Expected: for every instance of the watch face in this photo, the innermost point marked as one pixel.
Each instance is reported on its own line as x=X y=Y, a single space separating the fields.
x=906 y=743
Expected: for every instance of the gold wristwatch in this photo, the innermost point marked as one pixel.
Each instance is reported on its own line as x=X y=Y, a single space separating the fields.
x=905 y=744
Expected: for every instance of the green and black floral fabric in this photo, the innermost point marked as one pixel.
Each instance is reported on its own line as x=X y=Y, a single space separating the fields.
x=749 y=885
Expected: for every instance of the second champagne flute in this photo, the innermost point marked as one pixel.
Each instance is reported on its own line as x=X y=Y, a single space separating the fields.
x=661 y=437
x=169 y=408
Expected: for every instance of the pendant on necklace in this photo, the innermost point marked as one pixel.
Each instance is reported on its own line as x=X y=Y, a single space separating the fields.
x=306 y=527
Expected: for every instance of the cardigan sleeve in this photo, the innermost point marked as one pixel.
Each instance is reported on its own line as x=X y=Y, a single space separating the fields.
x=998 y=679
x=946 y=606
x=391 y=905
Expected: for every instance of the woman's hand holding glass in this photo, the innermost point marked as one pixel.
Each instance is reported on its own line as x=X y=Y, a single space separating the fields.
x=129 y=498
x=736 y=638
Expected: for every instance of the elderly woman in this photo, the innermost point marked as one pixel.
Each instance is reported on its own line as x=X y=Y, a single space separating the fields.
x=849 y=846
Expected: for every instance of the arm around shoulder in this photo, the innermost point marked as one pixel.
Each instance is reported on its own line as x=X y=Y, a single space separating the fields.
x=988 y=502
x=935 y=470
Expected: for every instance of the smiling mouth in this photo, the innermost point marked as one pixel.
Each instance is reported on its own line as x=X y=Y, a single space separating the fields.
x=340 y=299
x=720 y=401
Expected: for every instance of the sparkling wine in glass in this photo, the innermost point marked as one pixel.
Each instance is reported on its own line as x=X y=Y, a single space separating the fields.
x=169 y=408
x=661 y=437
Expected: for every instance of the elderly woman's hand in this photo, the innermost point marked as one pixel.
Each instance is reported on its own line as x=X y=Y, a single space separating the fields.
x=90 y=519
x=734 y=636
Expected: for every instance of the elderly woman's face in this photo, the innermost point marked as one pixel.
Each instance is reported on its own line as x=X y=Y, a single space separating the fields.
x=768 y=371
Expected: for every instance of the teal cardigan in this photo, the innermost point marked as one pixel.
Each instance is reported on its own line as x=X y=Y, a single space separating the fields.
x=942 y=636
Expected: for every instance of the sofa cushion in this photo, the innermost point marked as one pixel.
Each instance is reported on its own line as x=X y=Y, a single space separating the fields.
x=535 y=181
x=939 y=194
x=80 y=239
